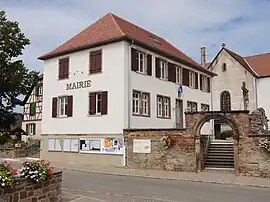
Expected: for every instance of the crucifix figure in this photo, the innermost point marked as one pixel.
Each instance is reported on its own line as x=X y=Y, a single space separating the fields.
x=245 y=95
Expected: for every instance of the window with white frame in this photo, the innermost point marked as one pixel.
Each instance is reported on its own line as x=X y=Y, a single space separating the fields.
x=178 y=74
x=204 y=107
x=63 y=105
x=141 y=103
x=98 y=103
x=163 y=107
x=204 y=83
x=141 y=62
x=191 y=106
x=163 y=69
x=192 y=79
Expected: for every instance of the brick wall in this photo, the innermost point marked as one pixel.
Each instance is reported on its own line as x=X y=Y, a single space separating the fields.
x=180 y=156
x=25 y=191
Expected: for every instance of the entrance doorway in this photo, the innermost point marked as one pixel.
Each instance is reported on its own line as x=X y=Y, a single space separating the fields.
x=179 y=113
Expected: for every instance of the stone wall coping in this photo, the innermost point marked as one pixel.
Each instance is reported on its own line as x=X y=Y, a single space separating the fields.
x=263 y=135
x=220 y=112
x=153 y=129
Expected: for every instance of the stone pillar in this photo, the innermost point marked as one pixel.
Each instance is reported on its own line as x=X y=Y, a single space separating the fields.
x=236 y=156
x=198 y=155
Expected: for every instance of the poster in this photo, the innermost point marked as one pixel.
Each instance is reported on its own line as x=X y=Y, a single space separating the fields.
x=51 y=144
x=113 y=145
x=141 y=146
x=74 y=145
x=90 y=145
x=58 y=145
x=66 y=145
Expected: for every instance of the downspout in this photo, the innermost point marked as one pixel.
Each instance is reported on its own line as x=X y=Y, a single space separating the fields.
x=129 y=82
x=212 y=108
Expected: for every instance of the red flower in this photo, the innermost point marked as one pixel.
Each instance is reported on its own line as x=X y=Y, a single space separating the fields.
x=50 y=171
x=14 y=171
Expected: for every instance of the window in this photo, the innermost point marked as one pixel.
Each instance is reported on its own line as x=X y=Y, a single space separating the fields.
x=63 y=106
x=63 y=68
x=178 y=75
x=140 y=61
x=163 y=69
x=224 y=67
x=225 y=101
x=141 y=103
x=32 y=109
x=204 y=107
x=204 y=83
x=191 y=106
x=95 y=63
x=98 y=103
x=163 y=107
x=192 y=79
x=39 y=90
x=31 y=128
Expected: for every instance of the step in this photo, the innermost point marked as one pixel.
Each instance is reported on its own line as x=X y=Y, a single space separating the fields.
x=220 y=151
x=218 y=169
x=222 y=142
x=221 y=145
x=221 y=163
x=220 y=157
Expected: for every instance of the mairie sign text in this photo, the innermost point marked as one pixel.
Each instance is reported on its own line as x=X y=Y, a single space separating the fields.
x=79 y=84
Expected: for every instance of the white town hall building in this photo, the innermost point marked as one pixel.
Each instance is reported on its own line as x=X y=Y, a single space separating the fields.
x=112 y=76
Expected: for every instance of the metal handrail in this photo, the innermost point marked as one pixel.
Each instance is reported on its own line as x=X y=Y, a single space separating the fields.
x=206 y=149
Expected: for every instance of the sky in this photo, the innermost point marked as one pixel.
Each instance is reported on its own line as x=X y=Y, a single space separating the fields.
x=243 y=25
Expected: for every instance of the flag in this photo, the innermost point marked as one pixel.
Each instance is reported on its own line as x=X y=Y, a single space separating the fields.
x=180 y=89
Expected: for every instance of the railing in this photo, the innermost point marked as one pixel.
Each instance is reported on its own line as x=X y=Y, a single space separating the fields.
x=205 y=149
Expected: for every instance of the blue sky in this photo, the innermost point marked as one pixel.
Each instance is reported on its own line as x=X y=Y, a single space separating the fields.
x=243 y=25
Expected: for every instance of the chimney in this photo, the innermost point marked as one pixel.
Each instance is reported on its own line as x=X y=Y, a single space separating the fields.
x=203 y=59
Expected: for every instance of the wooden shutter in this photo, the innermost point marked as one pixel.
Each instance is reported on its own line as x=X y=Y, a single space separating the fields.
x=196 y=80
x=70 y=106
x=95 y=63
x=104 y=102
x=54 y=107
x=63 y=68
x=149 y=64
x=169 y=107
x=185 y=77
x=171 y=72
x=208 y=84
x=149 y=105
x=157 y=67
x=201 y=77
x=134 y=61
x=92 y=103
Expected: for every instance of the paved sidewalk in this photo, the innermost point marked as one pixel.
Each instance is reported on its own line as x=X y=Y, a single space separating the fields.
x=220 y=177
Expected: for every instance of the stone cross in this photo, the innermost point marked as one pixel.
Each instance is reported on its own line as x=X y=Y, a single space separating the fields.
x=245 y=95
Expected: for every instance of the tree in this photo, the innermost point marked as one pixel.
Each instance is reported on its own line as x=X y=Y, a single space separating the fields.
x=15 y=78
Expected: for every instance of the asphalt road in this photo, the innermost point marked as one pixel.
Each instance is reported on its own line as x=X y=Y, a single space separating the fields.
x=91 y=187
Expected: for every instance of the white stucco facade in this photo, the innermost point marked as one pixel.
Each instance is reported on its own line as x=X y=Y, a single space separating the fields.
x=263 y=85
x=119 y=81
x=231 y=81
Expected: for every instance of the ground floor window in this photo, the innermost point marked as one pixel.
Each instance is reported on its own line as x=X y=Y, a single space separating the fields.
x=204 y=107
x=191 y=106
x=141 y=103
x=31 y=128
x=163 y=107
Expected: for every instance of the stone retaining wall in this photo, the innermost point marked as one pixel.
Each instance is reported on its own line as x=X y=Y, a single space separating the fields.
x=180 y=156
x=25 y=191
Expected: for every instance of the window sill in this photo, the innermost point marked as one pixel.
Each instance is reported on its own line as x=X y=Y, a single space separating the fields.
x=95 y=73
x=141 y=115
x=161 y=117
x=95 y=115
x=63 y=79
x=62 y=117
x=141 y=73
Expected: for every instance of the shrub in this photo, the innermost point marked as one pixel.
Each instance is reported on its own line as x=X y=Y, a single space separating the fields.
x=226 y=134
x=7 y=175
x=36 y=171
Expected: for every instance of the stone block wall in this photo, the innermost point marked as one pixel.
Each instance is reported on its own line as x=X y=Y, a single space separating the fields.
x=253 y=161
x=25 y=191
x=180 y=156
x=7 y=153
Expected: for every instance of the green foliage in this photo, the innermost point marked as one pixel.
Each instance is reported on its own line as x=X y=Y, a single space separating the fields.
x=226 y=134
x=4 y=138
x=15 y=78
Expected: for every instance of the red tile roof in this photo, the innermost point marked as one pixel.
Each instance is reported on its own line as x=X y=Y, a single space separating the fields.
x=111 y=28
x=260 y=64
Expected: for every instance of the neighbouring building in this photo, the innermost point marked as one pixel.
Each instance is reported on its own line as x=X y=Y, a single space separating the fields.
x=241 y=83
x=112 y=76
x=32 y=113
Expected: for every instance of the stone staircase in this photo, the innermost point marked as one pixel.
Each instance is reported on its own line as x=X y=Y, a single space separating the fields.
x=220 y=155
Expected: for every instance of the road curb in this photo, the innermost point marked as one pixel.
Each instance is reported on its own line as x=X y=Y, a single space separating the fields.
x=163 y=178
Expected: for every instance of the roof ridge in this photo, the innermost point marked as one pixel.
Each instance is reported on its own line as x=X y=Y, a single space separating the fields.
x=113 y=17
x=260 y=54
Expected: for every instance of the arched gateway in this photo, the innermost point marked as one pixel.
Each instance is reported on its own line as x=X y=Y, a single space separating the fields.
x=222 y=154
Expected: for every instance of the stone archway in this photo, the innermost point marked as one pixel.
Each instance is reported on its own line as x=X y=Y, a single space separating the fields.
x=237 y=120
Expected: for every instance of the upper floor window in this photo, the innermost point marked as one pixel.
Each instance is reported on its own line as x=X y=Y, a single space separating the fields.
x=163 y=107
x=178 y=75
x=98 y=103
x=63 y=72
x=95 y=63
x=225 y=101
x=191 y=106
x=32 y=109
x=163 y=69
x=30 y=128
x=62 y=106
x=192 y=79
x=204 y=83
x=141 y=103
x=39 y=90
x=140 y=61
x=224 y=67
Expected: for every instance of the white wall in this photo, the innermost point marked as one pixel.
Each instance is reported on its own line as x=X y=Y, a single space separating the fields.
x=263 y=85
x=231 y=80
x=111 y=79
x=157 y=86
